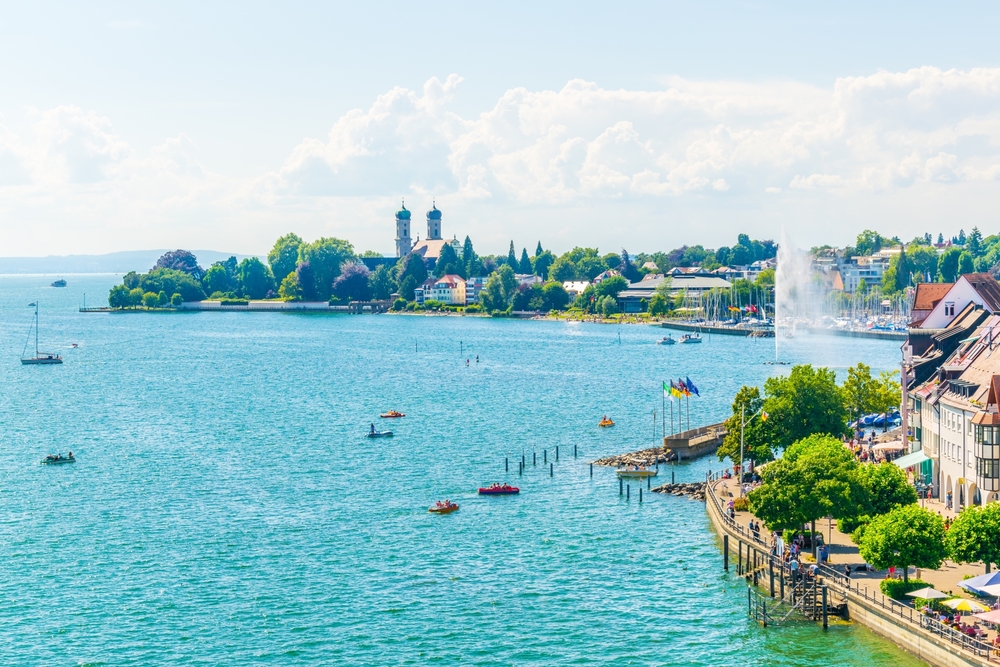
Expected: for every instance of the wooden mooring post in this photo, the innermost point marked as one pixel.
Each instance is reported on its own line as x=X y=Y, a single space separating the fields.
x=725 y=553
x=825 y=610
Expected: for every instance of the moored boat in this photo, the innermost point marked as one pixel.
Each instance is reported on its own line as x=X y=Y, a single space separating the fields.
x=392 y=414
x=640 y=472
x=446 y=507
x=690 y=338
x=498 y=490
x=667 y=340
x=58 y=283
x=40 y=358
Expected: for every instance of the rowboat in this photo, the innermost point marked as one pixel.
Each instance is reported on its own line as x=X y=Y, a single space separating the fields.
x=499 y=490
x=59 y=459
x=379 y=434
x=640 y=472
x=443 y=508
x=605 y=423
x=392 y=414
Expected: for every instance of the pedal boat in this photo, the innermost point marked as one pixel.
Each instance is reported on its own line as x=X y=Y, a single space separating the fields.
x=505 y=490
x=635 y=472
x=392 y=414
x=605 y=423
x=443 y=509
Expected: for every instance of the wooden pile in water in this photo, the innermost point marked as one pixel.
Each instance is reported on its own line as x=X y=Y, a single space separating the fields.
x=646 y=457
x=693 y=490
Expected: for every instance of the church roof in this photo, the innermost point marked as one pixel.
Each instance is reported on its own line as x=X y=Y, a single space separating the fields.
x=430 y=249
x=434 y=213
x=402 y=214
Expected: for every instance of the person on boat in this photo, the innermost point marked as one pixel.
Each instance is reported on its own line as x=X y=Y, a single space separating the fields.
x=373 y=429
x=477 y=358
x=70 y=455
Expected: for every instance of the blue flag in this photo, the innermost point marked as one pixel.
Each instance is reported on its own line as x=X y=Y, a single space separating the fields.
x=690 y=385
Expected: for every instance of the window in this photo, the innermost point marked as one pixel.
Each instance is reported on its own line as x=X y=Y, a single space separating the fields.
x=989 y=468
x=949 y=309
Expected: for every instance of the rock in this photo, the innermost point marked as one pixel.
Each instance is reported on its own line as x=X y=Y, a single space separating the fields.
x=645 y=457
x=693 y=490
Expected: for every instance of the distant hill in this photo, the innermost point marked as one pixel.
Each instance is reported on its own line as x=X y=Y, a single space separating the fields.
x=113 y=262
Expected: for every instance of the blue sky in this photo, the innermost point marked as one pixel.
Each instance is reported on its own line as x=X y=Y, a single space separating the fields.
x=649 y=125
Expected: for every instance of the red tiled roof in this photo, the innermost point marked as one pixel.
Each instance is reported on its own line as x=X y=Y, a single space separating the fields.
x=928 y=295
x=987 y=287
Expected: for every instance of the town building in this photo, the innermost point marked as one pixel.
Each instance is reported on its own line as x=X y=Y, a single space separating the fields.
x=635 y=298
x=448 y=289
x=430 y=248
x=473 y=287
x=403 y=242
x=575 y=287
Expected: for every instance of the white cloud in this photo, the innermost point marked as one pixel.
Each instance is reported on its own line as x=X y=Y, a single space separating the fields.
x=582 y=148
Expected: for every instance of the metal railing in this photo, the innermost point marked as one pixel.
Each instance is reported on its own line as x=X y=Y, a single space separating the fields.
x=841 y=583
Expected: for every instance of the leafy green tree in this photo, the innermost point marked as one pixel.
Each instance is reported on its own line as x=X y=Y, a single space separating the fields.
x=216 y=279
x=131 y=280
x=491 y=297
x=473 y=265
x=508 y=282
x=887 y=487
x=407 y=287
x=119 y=297
x=284 y=256
x=290 y=290
x=541 y=264
x=756 y=439
x=381 y=282
x=658 y=305
x=411 y=266
x=306 y=281
x=448 y=262
x=352 y=283
x=804 y=403
x=325 y=256
x=590 y=267
x=906 y=536
x=609 y=306
x=254 y=278
x=974 y=537
x=888 y=393
x=765 y=280
x=924 y=260
x=948 y=265
x=176 y=300
x=170 y=281
x=862 y=286
x=151 y=300
x=816 y=477
x=524 y=264
x=966 y=264
x=555 y=296
x=562 y=269
x=162 y=298
x=180 y=260
x=610 y=287
x=869 y=243
x=135 y=297
x=859 y=391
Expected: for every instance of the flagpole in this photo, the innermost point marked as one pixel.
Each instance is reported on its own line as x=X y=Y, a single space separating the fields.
x=663 y=413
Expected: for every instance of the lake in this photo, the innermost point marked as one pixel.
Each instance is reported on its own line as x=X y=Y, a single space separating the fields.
x=226 y=508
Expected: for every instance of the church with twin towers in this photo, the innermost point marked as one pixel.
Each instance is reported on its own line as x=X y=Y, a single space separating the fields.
x=430 y=247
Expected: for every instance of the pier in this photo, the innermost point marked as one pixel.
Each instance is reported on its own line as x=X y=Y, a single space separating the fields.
x=746 y=332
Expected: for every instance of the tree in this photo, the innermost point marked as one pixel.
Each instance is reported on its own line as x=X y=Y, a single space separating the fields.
x=805 y=402
x=352 y=283
x=448 y=262
x=862 y=286
x=216 y=279
x=610 y=287
x=906 y=536
x=538 y=249
x=180 y=260
x=948 y=265
x=524 y=264
x=254 y=278
x=555 y=296
x=923 y=259
x=627 y=268
x=940 y=238
x=411 y=266
x=162 y=298
x=381 y=282
x=765 y=280
x=176 y=300
x=492 y=297
x=897 y=277
x=887 y=395
x=961 y=237
x=290 y=290
x=119 y=297
x=151 y=300
x=975 y=535
x=590 y=267
x=170 y=281
x=562 y=269
x=542 y=264
x=508 y=282
x=859 y=391
x=609 y=306
x=512 y=258
x=756 y=440
x=306 y=281
x=869 y=243
x=816 y=477
x=966 y=264
x=407 y=287
x=974 y=244
x=658 y=305
x=473 y=265
x=325 y=256
x=887 y=487
x=135 y=297
x=284 y=256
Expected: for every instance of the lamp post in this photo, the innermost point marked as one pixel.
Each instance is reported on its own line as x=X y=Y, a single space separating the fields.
x=743 y=423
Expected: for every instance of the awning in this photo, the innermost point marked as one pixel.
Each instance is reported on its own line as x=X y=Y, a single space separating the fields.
x=916 y=458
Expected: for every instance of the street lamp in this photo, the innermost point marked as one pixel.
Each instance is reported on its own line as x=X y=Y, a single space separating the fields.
x=743 y=422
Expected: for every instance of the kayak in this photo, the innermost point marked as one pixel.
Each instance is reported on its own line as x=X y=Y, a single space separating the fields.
x=379 y=434
x=58 y=461
x=499 y=491
x=605 y=423
x=631 y=472
x=392 y=414
x=443 y=509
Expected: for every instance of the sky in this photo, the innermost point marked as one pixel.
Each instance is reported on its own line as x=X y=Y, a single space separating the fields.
x=644 y=125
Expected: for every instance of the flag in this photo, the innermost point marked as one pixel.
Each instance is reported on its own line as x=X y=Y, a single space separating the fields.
x=666 y=390
x=763 y=416
x=675 y=390
x=690 y=385
x=683 y=387
x=31 y=305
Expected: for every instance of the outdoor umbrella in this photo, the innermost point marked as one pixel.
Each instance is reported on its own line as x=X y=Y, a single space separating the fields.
x=992 y=589
x=961 y=604
x=990 y=616
x=928 y=594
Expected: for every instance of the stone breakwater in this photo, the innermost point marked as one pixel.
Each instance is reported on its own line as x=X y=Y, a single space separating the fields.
x=644 y=457
x=693 y=490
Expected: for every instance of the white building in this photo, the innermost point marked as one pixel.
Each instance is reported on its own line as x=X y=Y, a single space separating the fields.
x=449 y=289
x=575 y=287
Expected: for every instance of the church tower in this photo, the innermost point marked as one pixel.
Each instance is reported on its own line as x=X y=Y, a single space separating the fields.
x=403 y=242
x=434 y=223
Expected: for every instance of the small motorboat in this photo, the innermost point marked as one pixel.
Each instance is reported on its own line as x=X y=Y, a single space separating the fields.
x=640 y=472
x=392 y=414
x=499 y=490
x=58 y=459
x=446 y=507
x=667 y=340
x=59 y=283
x=379 y=434
x=605 y=423
x=690 y=338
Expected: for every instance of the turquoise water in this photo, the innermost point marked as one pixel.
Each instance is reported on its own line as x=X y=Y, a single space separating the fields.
x=226 y=510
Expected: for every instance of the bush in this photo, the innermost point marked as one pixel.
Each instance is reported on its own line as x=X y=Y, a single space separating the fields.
x=176 y=300
x=411 y=306
x=151 y=299
x=474 y=308
x=433 y=304
x=741 y=504
x=234 y=302
x=399 y=304
x=897 y=588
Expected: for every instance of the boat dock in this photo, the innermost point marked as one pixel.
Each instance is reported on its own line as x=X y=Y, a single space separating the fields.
x=696 y=442
x=746 y=332
x=858 y=333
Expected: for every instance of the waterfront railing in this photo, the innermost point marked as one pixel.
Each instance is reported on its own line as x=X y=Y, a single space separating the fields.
x=843 y=585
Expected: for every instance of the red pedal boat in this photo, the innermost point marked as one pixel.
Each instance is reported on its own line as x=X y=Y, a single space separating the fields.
x=499 y=490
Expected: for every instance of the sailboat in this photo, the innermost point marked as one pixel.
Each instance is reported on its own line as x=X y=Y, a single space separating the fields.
x=40 y=357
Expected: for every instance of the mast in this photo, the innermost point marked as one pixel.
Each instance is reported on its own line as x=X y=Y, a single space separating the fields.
x=36 y=329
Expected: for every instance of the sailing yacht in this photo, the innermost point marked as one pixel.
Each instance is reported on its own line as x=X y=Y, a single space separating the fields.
x=40 y=357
